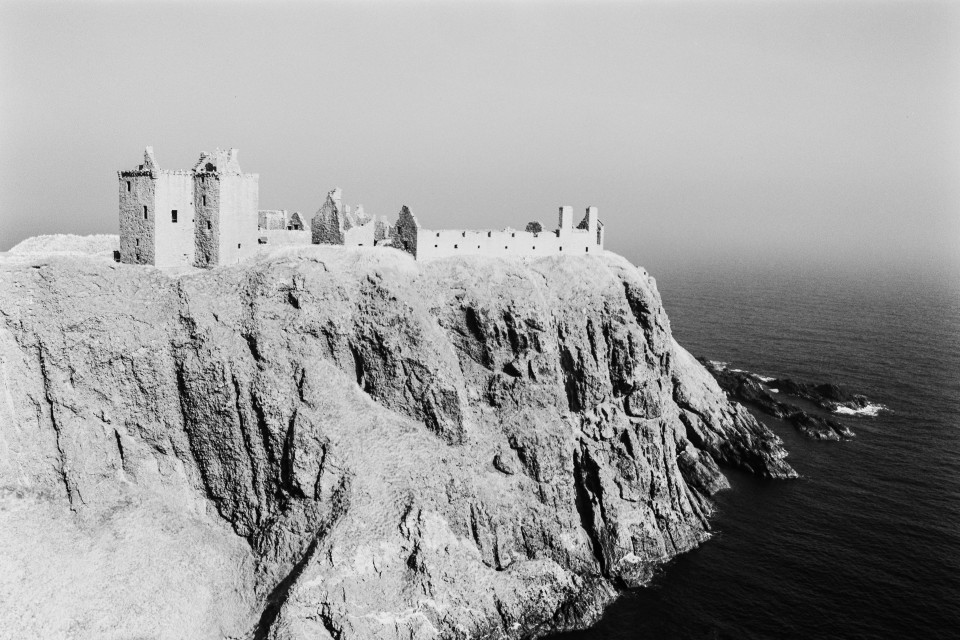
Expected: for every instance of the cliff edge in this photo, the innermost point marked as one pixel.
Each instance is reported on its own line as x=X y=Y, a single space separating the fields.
x=346 y=443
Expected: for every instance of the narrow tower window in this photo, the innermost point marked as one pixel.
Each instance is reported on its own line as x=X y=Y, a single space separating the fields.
x=209 y=225
x=173 y=215
x=144 y=212
x=128 y=186
x=203 y=199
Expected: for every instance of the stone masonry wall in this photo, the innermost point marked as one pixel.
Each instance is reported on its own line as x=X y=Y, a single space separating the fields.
x=174 y=240
x=136 y=191
x=285 y=237
x=447 y=243
x=207 y=199
x=239 y=200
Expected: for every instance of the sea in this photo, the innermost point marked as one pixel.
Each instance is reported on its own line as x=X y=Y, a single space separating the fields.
x=866 y=543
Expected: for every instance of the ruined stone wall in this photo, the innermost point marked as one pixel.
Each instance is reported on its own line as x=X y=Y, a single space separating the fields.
x=271 y=219
x=327 y=224
x=405 y=235
x=174 y=239
x=361 y=236
x=136 y=191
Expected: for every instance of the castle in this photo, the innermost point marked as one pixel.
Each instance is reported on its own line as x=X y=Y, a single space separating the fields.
x=202 y=217
x=209 y=216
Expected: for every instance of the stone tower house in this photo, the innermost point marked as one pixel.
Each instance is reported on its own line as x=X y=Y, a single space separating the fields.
x=200 y=217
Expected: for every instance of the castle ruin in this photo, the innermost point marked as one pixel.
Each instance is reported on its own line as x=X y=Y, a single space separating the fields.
x=200 y=217
x=280 y=227
x=208 y=216
x=586 y=237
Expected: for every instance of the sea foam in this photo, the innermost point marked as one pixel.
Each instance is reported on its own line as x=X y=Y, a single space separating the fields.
x=869 y=410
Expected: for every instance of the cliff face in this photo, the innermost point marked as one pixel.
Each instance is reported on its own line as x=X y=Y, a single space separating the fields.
x=344 y=443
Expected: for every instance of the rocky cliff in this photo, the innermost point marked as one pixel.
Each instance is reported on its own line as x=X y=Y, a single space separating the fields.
x=345 y=443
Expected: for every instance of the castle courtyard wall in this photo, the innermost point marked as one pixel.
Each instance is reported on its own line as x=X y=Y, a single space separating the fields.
x=433 y=244
x=361 y=236
x=285 y=237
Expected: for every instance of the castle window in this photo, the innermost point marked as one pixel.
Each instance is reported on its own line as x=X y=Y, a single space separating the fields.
x=561 y=248
x=513 y=235
x=173 y=215
x=203 y=199
x=435 y=246
x=587 y=249
x=128 y=186
x=489 y=234
x=144 y=212
x=438 y=235
x=456 y=246
x=138 y=242
x=534 y=248
x=209 y=225
x=464 y=234
x=478 y=246
x=238 y=245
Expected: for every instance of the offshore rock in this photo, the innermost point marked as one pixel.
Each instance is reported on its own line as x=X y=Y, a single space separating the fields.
x=344 y=443
x=752 y=390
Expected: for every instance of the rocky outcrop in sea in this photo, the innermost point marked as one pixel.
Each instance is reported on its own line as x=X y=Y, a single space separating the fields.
x=758 y=392
x=346 y=443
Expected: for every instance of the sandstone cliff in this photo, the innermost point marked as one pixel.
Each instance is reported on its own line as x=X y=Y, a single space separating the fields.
x=345 y=443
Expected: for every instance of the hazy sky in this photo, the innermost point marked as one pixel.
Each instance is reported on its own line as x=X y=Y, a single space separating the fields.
x=776 y=133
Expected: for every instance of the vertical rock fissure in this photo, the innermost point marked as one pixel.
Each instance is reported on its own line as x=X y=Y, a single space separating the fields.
x=62 y=467
x=279 y=594
x=584 y=499
x=246 y=438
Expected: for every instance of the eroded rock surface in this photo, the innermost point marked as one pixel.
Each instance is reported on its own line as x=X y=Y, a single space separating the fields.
x=348 y=444
x=757 y=392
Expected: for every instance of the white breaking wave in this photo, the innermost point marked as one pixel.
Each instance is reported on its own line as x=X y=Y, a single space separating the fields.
x=764 y=378
x=869 y=410
x=718 y=364
x=771 y=390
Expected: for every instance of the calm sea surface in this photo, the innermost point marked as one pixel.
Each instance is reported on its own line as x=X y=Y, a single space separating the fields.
x=867 y=543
